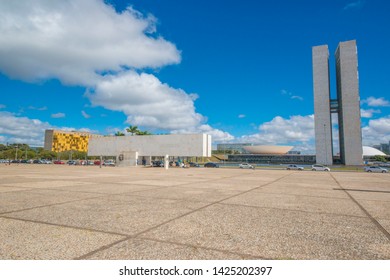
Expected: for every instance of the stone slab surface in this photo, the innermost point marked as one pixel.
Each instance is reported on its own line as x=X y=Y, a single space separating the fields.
x=35 y=241
x=73 y=212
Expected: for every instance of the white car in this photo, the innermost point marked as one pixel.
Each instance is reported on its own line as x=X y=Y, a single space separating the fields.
x=376 y=169
x=246 y=166
x=319 y=167
x=294 y=167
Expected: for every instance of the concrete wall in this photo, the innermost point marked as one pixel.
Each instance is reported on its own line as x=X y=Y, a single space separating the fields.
x=198 y=145
x=322 y=116
x=351 y=150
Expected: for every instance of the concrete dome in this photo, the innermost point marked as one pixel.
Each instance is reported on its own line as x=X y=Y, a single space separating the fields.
x=266 y=149
x=370 y=151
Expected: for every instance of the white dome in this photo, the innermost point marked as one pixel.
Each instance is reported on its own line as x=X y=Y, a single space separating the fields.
x=265 y=149
x=370 y=151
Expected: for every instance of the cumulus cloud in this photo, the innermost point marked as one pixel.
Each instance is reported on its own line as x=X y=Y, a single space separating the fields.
x=368 y=113
x=377 y=131
x=58 y=115
x=216 y=134
x=146 y=101
x=241 y=116
x=74 y=40
x=284 y=131
x=2 y=106
x=376 y=102
x=89 y=43
x=15 y=129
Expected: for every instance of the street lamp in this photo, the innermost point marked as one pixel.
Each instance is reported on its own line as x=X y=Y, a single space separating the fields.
x=326 y=146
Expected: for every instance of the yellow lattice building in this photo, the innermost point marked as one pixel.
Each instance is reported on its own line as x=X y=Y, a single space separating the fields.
x=61 y=141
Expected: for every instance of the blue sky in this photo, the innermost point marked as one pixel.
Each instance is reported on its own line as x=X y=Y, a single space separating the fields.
x=238 y=70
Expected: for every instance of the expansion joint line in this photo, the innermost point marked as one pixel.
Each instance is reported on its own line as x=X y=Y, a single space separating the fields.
x=373 y=220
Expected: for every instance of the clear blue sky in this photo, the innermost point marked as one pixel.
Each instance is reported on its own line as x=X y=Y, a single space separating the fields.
x=239 y=70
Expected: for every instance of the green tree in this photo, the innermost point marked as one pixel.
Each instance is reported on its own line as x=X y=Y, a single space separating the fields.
x=139 y=132
x=380 y=158
x=119 y=133
x=132 y=129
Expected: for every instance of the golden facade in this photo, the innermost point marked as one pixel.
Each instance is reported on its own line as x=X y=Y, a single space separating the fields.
x=61 y=141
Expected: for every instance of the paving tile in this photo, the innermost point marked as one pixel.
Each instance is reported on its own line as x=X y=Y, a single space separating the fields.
x=46 y=184
x=11 y=189
x=156 y=182
x=27 y=240
x=118 y=214
x=377 y=209
x=108 y=188
x=298 y=189
x=371 y=194
x=298 y=202
x=12 y=201
x=138 y=249
x=189 y=193
x=277 y=234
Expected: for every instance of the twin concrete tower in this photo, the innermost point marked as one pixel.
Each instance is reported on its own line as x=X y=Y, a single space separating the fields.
x=347 y=104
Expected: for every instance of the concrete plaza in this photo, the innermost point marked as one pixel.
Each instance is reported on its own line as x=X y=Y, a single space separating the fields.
x=77 y=212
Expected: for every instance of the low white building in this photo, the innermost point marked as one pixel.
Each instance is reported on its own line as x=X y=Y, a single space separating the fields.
x=129 y=150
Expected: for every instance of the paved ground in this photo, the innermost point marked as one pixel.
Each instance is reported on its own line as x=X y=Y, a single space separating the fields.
x=75 y=212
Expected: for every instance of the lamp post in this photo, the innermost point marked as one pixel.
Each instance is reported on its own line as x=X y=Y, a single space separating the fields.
x=16 y=153
x=326 y=146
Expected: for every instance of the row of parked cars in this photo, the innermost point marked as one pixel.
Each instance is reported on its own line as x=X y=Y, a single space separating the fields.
x=69 y=162
x=319 y=167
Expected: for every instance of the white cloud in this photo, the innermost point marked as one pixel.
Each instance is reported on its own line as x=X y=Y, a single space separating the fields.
x=377 y=131
x=2 y=106
x=368 y=113
x=291 y=95
x=376 y=102
x=354 y=5
x=146 y=101
x=85 y=115
x=284 y=131
x=44 y=108
x=297 y=97
x=216 y=134
x=14 y=129
x=21 y=129
x=88 y=43
x=75 y=40
x=58 y=115
x=241 y=116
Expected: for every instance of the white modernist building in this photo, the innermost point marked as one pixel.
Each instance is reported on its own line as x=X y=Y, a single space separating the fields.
x=129 y=150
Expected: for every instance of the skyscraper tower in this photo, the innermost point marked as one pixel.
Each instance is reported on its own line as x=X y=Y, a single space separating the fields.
x=347 y=104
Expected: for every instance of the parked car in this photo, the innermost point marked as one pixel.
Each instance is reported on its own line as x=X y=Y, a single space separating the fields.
x=376 y=169
x=246 y=166
x=319 y=167
x=211 y=165
x=109 y=162
x=71 y=162
x=157 y=163
x=58 y=162
x=194 y=164
x=37 y=161
x=294 y=167
x=24 y=161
